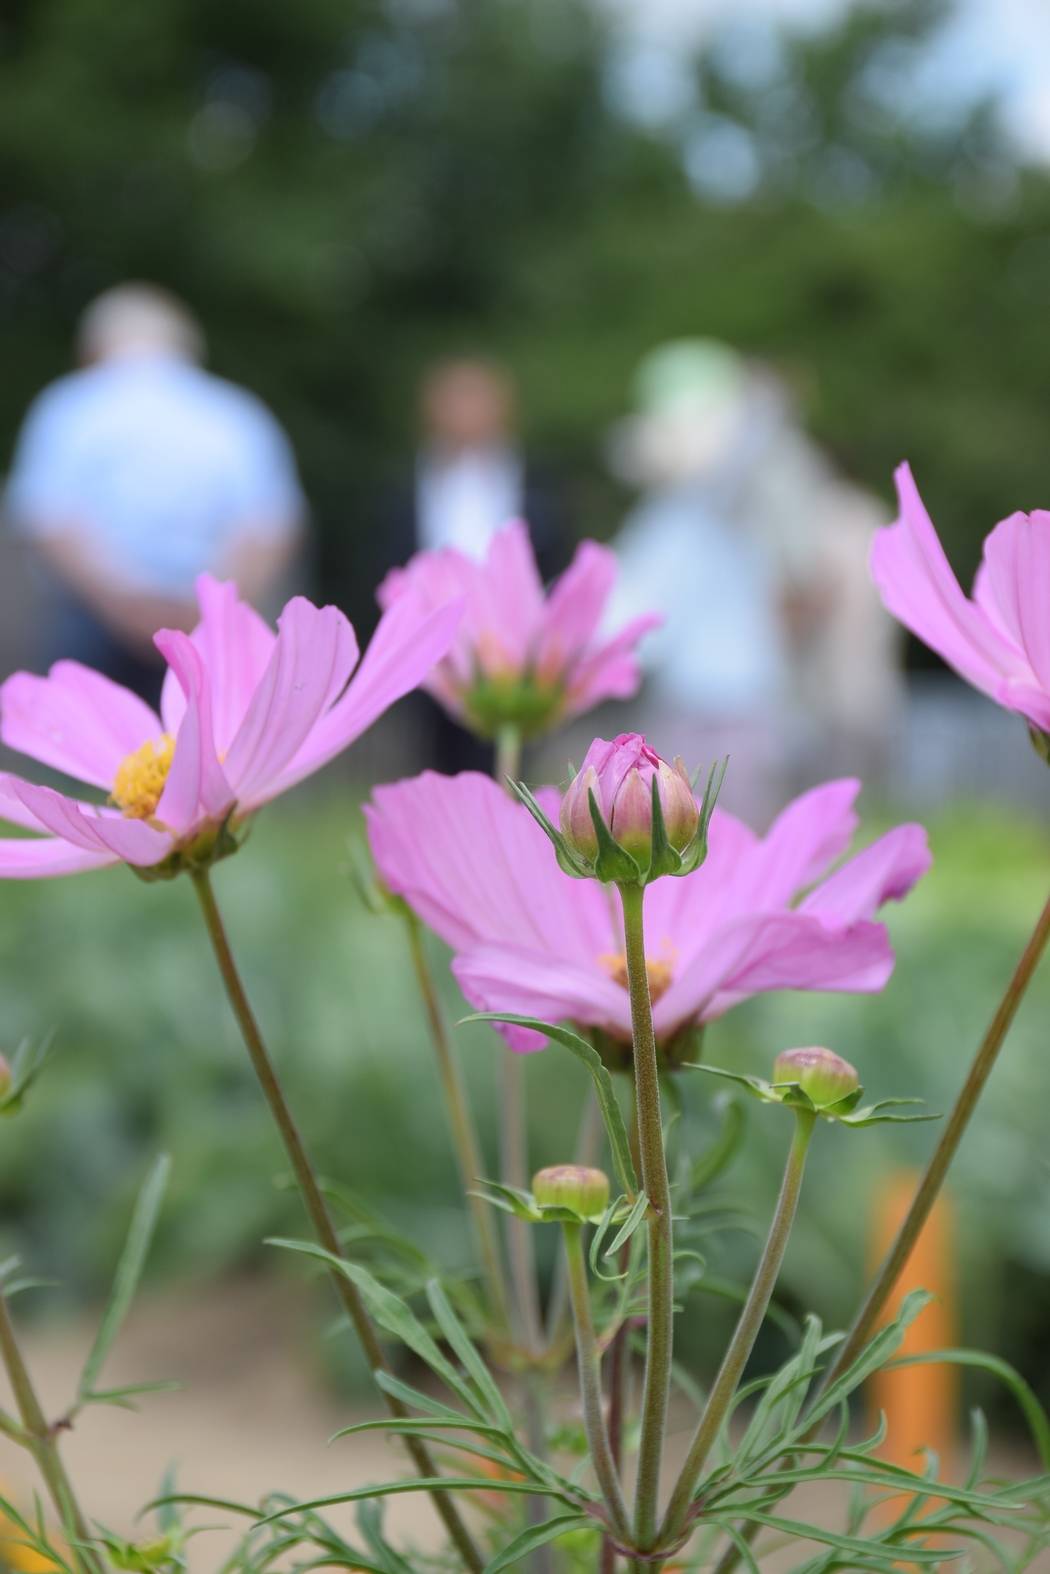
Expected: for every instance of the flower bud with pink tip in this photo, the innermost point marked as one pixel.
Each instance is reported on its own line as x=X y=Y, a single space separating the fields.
x=823 y=1076
x=628 y=816
x=583 y=1191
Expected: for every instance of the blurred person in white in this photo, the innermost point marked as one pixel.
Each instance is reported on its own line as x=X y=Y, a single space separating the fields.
x=137 y=472
x=471 y=474
x=774 y=644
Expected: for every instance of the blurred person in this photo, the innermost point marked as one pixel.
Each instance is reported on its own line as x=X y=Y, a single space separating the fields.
x=716 y=667
x=137 y=472
x=774 y=641
x=470 y=476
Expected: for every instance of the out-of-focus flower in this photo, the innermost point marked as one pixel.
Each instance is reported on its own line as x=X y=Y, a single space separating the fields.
x=245 y=714
x=998 y=640
x=627 y=817
x=523 y=658
x=529 y=940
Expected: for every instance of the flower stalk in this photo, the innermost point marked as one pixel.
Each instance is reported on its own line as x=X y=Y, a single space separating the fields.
x=929 y=1186
x=39 y=1438
x=589 y=1365
x=463 y=1131
x=746 y=1332
x=655 y=1183
x=313 y=1200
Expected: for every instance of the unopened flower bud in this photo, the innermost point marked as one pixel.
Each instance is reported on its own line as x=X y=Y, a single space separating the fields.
x=5 y=1076
x=620 y=777
x=821 y=1074
x=572 y=1186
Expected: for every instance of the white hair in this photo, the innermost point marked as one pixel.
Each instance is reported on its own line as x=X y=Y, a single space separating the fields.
x=134 y=317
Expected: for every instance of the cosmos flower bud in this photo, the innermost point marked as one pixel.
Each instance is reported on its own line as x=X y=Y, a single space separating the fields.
x=573 y=1186
x=5 y=1076
x=630 y=817
x=822 y=1075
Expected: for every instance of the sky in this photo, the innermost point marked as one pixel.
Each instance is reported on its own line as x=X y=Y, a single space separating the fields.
x=1000 y=46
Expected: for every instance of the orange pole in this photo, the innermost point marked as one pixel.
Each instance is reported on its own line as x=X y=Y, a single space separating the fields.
x=921 y=1403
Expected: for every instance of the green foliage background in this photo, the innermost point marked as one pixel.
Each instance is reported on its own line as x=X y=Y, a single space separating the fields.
x=147 y=1058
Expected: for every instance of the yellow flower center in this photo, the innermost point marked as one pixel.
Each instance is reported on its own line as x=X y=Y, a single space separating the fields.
x=659 y=972
x=141 y=776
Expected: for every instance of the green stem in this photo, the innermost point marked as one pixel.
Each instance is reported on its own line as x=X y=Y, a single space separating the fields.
x=508 y=755
x=514 y=1171
x=874 y=1304
x=586 y=1150
x=654 y=1180
x=39 y=1439
x=464 y=1133
x=932 y=1180
x=315 y=1204
x=589 y=1364
x=746 y=1332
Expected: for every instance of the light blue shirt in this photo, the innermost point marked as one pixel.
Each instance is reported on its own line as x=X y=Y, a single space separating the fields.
x=718 y=652
x=159 y=463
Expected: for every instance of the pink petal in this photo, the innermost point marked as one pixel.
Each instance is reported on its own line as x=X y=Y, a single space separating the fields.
x=574 y=608
x=235 y=645
x=402 y=651
x=41 y=858
x=312 y=659
x=761 y=952
x=92 y=830
x=803 y=840
x=75 y=720
x=196 y=789
x=681 y=914
x=883 y=872
x=858 y=960
x=1031 y=702
x=916 y=583
x=505 y=609
x=508 y=978
x=611 y=670
x=477 y=869
x=1013 y=587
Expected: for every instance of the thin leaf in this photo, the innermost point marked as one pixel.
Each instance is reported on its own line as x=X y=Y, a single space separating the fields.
x=536 y=1536
x=629 y=1225
x=422 y=1484
x=391 y=1313
x=603 y=1087
x=1033 y=1412
x=129 y=1271
x=460 y=1341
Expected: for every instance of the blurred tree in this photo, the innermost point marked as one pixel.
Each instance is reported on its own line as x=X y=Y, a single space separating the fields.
x=345 y=187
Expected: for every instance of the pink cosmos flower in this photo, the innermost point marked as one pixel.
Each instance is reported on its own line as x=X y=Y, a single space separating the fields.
x=531 y=940
x=1000 y=639
x=522 y=656
x=245 y=714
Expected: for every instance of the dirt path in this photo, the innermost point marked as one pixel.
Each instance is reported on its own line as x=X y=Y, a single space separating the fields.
x=253 y=1414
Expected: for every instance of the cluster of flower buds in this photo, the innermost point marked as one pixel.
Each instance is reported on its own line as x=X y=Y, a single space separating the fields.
x=628 y=817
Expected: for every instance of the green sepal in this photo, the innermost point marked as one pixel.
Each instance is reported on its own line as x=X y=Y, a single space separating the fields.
x=696 y=852
x=844 y=1111
x=569 y=859
x=614 y=864
x=512 y=1199
x=664 y=858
